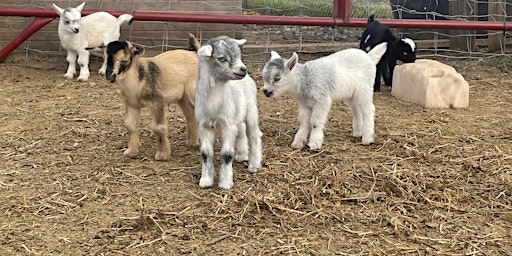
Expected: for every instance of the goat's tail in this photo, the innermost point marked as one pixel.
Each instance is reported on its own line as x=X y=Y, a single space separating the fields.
x=125 y=18
x=377 y=52
x=193 y=44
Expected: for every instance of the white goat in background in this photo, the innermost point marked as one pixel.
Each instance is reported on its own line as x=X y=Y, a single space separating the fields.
x=226 y=102
x=346 y=75
x=77 y=33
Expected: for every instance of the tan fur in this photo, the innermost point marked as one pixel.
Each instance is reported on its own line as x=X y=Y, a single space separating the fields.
x=176 y=85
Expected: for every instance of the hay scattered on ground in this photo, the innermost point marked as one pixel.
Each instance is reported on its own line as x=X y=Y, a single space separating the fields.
x=436 y=181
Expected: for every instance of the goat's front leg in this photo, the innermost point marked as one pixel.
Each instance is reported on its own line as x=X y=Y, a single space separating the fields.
x=71 y=59
x=207 y=140
x=317 y=121
x=163 y=147
x=132 y=120
x=388 y=77
x=83 y=61
x=227 y=153
x=302 y=133
x=103 y=68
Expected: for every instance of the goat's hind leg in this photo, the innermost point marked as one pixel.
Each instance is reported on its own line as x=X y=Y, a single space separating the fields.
x=368 y=115
x=132 y=120
x=357 y=118
x=187 y=106
x=207 y=143
x=242 y=144
x=254 y=135
x=163 y=147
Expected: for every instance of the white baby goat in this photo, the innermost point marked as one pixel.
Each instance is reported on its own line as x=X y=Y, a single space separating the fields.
x=226 y=102
x=346 y=75
x=77 y=33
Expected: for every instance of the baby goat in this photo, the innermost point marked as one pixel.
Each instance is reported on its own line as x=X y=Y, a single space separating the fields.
x=168 y=78
x=403 y=49
x=346 y=75
x=77 y=33
x=226 y=103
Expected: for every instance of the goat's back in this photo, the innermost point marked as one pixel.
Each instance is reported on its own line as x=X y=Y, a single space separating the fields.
x=178 y=71
x=343 y=72
x=99 y=28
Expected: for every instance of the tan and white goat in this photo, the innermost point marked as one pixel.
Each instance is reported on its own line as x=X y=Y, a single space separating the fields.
x=156 y=82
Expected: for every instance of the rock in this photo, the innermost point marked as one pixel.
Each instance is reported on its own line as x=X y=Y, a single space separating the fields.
x=430 y=84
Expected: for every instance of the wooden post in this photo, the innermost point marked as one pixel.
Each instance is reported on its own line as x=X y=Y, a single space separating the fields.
x=463 y=39
x=497 y=12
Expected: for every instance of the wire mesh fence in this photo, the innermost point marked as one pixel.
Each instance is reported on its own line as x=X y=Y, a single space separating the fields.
x=162 y=36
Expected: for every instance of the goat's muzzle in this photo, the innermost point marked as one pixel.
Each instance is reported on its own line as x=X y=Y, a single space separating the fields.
x=111 y=77
x=241 y=73
x=267 y=93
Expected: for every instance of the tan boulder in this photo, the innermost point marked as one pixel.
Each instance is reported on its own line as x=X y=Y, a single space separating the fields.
x=430 y=84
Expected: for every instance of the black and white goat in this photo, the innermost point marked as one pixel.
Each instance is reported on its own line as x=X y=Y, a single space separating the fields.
x=403 y=49
x=346 y=75
x=77 y=33
x=226 y=103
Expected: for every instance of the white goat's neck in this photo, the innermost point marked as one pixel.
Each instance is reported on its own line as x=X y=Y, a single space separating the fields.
x=296 y=91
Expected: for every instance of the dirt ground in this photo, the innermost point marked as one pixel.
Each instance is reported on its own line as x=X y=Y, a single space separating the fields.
x=437 y=181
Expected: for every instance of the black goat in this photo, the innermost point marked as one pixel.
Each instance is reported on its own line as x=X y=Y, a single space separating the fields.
x=402 y=49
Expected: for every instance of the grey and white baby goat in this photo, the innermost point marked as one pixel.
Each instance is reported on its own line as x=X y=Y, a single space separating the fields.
x=346 y=75
x=155 y=82
x=226 y=103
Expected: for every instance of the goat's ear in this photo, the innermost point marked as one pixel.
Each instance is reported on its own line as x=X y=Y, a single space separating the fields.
x=274 y=55
x=138 y=51
x=240 y=41
x=58 y=9
x=205 y=51
x=80 y=7
x=290 y=63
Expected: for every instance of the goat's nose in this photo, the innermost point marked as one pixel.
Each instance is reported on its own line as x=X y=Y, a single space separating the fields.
x=267 y=92
x=76 y=30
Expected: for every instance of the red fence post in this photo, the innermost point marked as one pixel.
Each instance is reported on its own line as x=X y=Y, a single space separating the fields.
x=341 y=10
x=33 y=27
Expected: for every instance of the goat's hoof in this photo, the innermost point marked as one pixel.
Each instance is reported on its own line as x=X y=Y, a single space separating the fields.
x=205 y=182
x=162 y=156
x=83 y=79
x=68 y=76
x=357 y=134
x=241 y=157
x=101 y=72
x=130 y=154
x=367 y=142
x=253 y=169
x=227 y=185
x=315 y=146
x=297 y=145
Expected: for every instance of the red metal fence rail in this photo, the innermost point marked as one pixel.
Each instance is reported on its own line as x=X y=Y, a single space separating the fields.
x=340 y=18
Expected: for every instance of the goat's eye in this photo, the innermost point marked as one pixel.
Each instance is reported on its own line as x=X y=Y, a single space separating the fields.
x=277 y=79
x=405 y=53
x=66 y=22
x=222 y=59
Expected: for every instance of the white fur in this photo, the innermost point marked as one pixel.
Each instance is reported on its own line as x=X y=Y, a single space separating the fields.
x=226 y=104
x=346 y=75
x=77 y=33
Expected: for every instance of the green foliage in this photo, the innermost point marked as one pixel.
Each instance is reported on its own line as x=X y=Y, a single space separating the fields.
x=503 y=61
x=312 y=8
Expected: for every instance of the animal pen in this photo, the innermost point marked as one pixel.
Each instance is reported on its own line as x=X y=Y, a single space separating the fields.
x=445 y=26
x=435 y=181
